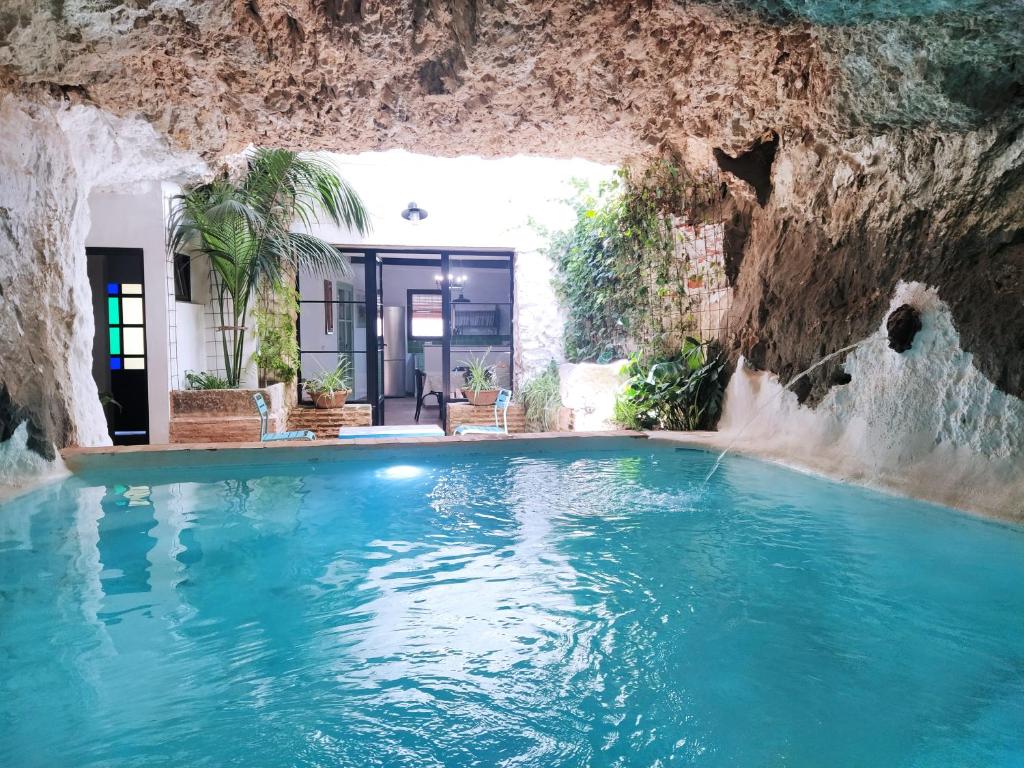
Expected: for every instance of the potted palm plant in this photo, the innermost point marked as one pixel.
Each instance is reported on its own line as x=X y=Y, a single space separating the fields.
x=480 y=387
x=331 y=388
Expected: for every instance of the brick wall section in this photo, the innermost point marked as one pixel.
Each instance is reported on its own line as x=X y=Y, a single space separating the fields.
x=325 y=422
x=224 y=415
x=219 y=429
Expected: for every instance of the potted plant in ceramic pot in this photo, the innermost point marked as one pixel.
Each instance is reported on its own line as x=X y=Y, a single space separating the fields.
x=481 y=387
x=331 y=388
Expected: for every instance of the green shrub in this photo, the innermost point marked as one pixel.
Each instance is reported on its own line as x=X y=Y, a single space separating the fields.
x=619 y=272
x=204 y=380
x=542 y=400
x=277 y=344
x=681 y=392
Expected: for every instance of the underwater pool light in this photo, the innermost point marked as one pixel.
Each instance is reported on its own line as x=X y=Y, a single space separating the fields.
x=401 y=472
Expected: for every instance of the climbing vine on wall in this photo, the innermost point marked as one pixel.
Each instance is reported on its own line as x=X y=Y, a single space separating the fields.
x=623 y=267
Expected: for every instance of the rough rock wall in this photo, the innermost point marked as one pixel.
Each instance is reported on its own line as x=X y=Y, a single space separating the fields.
x=539 y=319
x=846 y=223
x=51 y=157
x=46 y=315
x=925 y=422
x=600 y=79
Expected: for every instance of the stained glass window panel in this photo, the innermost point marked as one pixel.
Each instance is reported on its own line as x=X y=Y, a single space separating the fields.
x=115 y=363
x=132 y=309
x=135 y=288
x=115 y=341
x=113 y=311
x=112 y=288
x=134 y=341
x=135 y=363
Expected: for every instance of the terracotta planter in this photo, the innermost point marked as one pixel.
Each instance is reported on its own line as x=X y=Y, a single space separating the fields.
x=337 y=400
x=694 y=282
x=483 y=397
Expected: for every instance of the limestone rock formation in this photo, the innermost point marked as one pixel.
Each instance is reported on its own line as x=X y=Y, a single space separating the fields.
x=51 y=158
x=845 y=224
x=925 y=422
x=601 y=79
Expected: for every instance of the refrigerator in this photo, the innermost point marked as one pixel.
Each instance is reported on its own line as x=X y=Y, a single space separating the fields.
x=394 y=351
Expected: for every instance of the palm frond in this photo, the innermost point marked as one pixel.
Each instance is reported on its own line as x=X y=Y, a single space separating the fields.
x=245 y=229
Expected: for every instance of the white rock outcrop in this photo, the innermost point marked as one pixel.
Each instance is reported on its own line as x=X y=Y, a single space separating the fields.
x=926 y=422
x=52 y=157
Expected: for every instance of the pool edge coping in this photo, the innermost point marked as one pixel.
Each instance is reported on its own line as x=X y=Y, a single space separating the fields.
x=83 y=459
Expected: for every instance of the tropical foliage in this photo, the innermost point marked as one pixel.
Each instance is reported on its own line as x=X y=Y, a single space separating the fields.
x=244 y=228
x=542 y=400
x=277 y=344
x=681 y=392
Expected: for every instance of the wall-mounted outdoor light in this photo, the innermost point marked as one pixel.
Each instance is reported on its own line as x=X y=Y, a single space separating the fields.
x=414 y=213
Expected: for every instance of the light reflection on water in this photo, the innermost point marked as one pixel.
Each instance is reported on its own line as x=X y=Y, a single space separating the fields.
x=601 y=608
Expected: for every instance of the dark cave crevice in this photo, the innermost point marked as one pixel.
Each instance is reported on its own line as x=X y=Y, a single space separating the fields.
x=753 y=166
x=12 y=416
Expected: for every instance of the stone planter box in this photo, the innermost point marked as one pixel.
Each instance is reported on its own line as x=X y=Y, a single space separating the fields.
x=225 y=415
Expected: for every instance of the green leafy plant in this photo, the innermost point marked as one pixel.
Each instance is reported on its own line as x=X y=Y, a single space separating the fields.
x=277 y=345
x=479 y=376
x=338 y=379
x=204 y=380
x=683 y=392
x=244 y=228
x=541 y=398
x=621 y=271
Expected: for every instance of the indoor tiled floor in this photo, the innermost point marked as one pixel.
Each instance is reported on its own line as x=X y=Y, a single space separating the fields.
x=400 y=410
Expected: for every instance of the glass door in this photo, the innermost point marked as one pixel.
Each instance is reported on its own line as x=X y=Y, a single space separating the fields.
x=479 y=319
x=374 y=273
x=331 y=328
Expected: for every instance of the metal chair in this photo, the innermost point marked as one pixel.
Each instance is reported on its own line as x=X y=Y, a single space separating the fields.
x=501 y=404
x=269 y=437
x=421 y=377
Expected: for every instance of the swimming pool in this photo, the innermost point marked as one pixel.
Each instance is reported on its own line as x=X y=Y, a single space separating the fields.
x=575 y=604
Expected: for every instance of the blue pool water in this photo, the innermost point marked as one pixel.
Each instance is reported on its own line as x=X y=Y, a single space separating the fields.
x=566 y=608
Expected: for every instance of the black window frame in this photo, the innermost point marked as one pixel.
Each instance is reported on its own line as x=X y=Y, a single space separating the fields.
x=183 y=278
x=409 y=292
